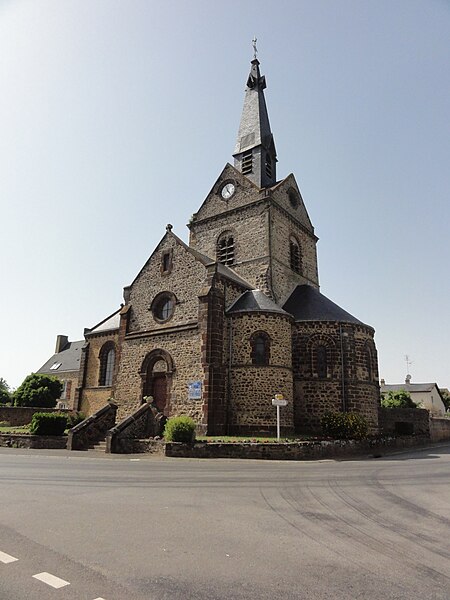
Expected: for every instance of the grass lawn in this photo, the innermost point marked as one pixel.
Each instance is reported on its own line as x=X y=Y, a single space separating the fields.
x=229 y=439
x=11 y=429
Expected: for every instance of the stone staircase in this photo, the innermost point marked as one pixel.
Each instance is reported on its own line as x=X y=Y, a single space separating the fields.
x=99 y=446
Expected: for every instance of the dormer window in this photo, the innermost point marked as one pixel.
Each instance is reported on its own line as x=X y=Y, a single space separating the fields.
x=225 y=249
x=247 y=162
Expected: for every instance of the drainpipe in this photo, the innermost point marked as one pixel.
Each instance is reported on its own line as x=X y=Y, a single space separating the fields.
x=343 y=402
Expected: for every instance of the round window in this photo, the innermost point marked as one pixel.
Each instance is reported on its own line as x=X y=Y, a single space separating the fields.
x=163 y=307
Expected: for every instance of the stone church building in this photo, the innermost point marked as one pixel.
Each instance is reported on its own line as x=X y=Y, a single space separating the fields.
x=215 y=328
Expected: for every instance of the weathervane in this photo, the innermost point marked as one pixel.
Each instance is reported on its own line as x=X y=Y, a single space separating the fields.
x=255 y=50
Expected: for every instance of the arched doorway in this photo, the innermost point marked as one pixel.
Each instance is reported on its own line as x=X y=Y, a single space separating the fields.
x=156 y=373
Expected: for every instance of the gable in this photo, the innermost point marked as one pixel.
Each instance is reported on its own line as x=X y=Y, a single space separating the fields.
x=214 y=204
x=172 y=269
x=287 y=195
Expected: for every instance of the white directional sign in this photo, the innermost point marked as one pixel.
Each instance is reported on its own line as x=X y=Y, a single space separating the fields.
x=277 y=402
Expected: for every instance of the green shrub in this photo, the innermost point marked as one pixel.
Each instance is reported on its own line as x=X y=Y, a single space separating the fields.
x=38 y=390
x=74 y=418
x=180 y=429
x=345 y=426
x=400 y=399
x=48 y=424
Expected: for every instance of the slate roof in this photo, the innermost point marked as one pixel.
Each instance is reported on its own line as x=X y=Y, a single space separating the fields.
x=409 y=387
x=254 y=301
x=308 y=304
x=69 y=358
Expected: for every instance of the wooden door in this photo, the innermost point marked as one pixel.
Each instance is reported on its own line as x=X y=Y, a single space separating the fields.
x=160 y=391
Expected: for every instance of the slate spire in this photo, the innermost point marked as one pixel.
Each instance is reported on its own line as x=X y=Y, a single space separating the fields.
x=255 y=155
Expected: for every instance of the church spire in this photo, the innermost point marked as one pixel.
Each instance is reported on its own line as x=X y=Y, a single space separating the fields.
x=255 y=155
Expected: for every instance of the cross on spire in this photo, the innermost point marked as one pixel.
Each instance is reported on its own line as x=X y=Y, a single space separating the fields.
x=255 y=49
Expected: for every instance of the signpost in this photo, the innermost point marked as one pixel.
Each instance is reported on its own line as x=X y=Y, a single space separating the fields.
x=278 y=401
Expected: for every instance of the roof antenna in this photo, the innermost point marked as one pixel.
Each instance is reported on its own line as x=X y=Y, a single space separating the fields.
x=255 y=49
x=408 y=364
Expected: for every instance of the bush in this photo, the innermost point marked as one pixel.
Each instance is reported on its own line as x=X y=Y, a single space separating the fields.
x=400 y=399
x=48 y=424
x=74 y=418
x=180 y=429
x=345 y=426
x=38 y=390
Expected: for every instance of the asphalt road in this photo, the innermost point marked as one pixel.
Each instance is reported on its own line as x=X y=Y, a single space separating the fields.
x=118 y=528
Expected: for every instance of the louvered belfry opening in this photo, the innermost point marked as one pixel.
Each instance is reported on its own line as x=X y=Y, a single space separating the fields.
x=225 y=249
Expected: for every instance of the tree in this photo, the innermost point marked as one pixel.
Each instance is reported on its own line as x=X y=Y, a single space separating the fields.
x=5 y=394
x=445 y=397
x=400 y=399
x=38 y=390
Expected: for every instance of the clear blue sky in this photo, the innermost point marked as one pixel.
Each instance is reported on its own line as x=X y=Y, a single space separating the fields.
x=116 y=117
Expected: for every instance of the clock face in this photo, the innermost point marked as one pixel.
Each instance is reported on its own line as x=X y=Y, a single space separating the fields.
x=228 y=190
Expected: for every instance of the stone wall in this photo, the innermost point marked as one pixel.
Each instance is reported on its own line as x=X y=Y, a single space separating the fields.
x=93 y=397
x=313 y=450
x=349 y=384
x=22 y=415
x=439 y=429
x=185 y=280
x=404 y=421
x=48 y=442
x=184 y=346
x=252 y=387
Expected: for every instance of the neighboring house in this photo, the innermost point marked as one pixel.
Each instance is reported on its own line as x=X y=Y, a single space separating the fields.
x=426 y=395
x=65 y=365
x=215 y=328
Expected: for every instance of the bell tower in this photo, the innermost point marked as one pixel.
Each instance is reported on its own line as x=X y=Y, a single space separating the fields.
x=254 y=154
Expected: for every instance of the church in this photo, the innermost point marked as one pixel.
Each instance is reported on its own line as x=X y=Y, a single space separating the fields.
x=215 y=328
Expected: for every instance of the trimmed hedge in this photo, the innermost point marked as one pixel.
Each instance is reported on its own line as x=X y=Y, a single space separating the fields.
x=180 y=429
x=74 y=418
x=344 y=426
x=48 y=424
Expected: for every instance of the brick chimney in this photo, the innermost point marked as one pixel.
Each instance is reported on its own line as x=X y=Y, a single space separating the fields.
x=61 y=342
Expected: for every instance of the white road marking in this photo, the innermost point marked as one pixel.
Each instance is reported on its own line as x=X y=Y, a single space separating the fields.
x=6 y=558
x=99 y=599
x=51 y=580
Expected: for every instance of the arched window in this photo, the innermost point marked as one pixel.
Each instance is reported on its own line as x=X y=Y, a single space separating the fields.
x=294 y=255
x=107 y=360
x=321 y=362
x=260 y=345
x=225 y=248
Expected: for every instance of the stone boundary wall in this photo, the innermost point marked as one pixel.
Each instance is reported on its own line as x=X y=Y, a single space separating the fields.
x=404 y=421
x=93 y=429
x=22 y=415
x=48 y=442
x=143 y=446
x=439 y=429
x=294 y=450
